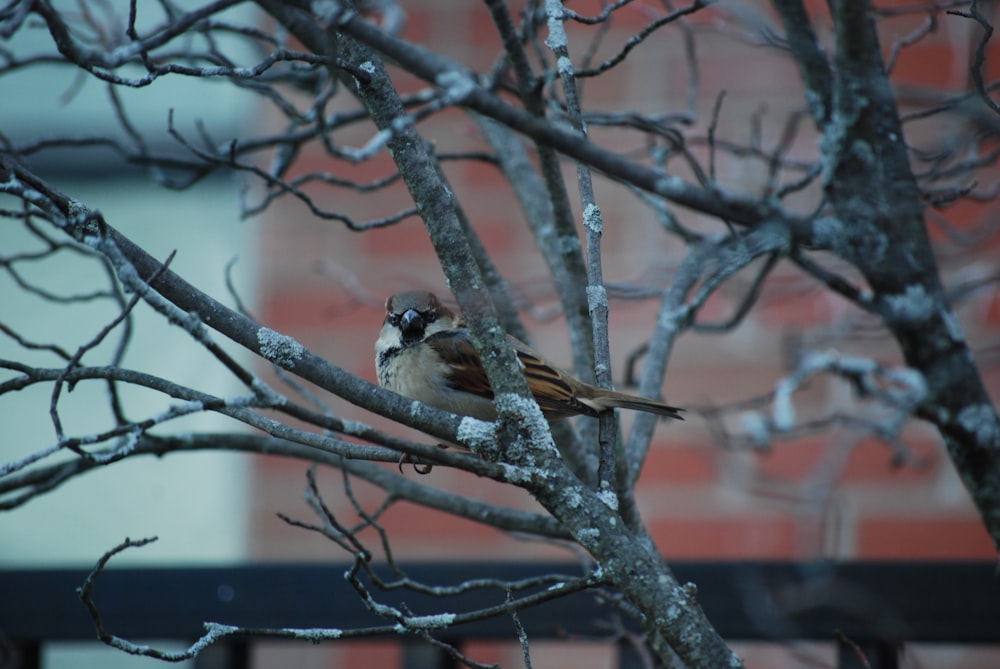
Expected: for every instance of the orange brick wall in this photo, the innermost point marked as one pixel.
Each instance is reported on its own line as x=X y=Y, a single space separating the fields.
x=825 y=496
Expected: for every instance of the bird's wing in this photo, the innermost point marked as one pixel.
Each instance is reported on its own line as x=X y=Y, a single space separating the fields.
x=466 y=371
x=549 y=384
x=552 y=387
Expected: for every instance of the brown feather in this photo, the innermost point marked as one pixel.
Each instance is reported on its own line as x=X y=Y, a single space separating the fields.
x=467 y=373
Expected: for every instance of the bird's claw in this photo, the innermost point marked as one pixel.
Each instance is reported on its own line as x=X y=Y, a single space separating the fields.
x=419 y=467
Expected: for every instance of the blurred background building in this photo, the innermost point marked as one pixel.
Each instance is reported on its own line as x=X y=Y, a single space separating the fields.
x=821 y=497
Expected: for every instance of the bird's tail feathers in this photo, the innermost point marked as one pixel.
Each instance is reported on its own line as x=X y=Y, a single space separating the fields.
x=613 y=400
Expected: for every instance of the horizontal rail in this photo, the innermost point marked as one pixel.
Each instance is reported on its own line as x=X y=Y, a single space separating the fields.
x=956 y=602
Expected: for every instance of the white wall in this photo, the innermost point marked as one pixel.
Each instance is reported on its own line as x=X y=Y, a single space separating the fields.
x=194 y=502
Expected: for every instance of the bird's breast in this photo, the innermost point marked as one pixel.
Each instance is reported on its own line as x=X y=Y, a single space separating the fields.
x=419 y=373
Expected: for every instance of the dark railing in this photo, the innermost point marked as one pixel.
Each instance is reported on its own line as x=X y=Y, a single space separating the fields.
x=868 y=608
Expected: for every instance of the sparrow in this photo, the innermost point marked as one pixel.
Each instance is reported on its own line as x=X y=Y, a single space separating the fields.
x=424 y=352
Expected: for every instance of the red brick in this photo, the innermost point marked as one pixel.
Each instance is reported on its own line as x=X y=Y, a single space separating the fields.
x=991 y=64
x=706 y=368
x=505 y=245
x=632 y=314
x=791 y=459
x=264 y=653
x=988 y=307
x=868 y=461
x=817 y=8
x=786 y=655
x=927 y=63
x=637 y=15
x=481 y=174
x=964 y=216
x=951 y=655
x=753 y=537
x=687 y=464
x=379 y=166
x=478 y=26
x=376 y=653
x=785 y=304
x=693 y=380
x=991 y=379
x=419 y=19
x=406 y=238
x=939 y=537
x=569 y=653
x=409 y=521
x=719 y=308
x=873 y=461
x=295 y=310
x=494 y=652
x=453 y=131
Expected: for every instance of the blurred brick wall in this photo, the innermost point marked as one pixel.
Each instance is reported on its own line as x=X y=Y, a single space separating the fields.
x=817 y=497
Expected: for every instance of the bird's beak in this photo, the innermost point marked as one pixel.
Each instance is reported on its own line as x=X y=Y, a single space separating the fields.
x=411 y=325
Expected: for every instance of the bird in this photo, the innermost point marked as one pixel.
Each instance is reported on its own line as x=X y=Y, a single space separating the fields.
x=424 y=352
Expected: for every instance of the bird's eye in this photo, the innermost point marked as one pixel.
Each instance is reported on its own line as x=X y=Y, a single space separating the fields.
x=430 y=315
x=393 y=319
